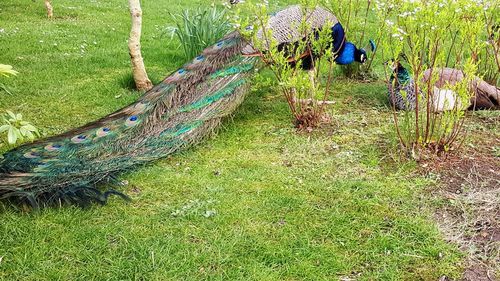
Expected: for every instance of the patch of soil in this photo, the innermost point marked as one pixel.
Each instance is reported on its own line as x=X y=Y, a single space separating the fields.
x=469 y=189
x=477 y=273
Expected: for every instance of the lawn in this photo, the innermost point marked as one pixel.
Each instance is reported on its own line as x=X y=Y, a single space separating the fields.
x=259 y=201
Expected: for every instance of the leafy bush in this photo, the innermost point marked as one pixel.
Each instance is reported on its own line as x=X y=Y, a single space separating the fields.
x=489 y=57
x=197 y=29
x=426 y=36
x=306 y=92
x=17 y=129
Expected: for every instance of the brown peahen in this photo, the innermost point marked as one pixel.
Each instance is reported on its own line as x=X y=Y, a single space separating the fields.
x=178 y=112
x=483 y=95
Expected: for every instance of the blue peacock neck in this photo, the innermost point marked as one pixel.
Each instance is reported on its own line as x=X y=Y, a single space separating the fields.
x=347 y=52
x=403 y=75
x=343 y=49
x=339 y=39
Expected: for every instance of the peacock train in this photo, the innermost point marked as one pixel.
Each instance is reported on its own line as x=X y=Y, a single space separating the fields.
x=178 y=112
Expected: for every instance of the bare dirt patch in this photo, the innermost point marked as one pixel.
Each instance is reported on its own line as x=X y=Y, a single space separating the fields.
x=469 y=196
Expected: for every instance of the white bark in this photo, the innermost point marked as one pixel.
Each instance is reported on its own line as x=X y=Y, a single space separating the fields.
x=50 y=10
x=141 y=79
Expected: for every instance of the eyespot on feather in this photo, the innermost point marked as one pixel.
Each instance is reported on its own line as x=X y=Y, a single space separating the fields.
x=132 y=121
x=195 y=62
x=53 y=147
x=31 y=155
x=79 y=139
x=219 y=44
x=176 y=76
x=199 y=58
x=102 y=132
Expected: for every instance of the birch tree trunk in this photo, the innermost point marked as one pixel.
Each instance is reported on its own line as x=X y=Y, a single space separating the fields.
x=50 y=10
x=141 y=79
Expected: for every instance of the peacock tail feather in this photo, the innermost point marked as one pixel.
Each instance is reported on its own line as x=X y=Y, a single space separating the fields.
x=178 y=112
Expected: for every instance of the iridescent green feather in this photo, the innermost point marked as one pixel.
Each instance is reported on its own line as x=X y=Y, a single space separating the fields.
x=180 y=111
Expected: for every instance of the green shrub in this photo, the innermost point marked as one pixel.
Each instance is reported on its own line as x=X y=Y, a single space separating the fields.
x=429 y=36
x=489 y=57
x=17 y=129
x=307 y=93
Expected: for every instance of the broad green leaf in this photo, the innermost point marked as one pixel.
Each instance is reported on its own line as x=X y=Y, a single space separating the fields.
x=23 y=131
x=30 y=135
x=30 y=127
x=4 y=128
x=12 y=115
x=18 y=133
x=6 y=70
x=12 y=136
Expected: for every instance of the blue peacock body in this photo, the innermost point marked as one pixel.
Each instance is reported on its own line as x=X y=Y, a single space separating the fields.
x=285 y=26
x=180 y=111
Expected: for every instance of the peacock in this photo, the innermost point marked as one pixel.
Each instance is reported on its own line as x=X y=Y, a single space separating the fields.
x=344 y=52
x=180 y=111
x=484 y=95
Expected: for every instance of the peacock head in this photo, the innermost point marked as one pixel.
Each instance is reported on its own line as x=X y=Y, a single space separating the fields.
x=360 y=55
x=350 y=53
x=396 y=65
x=392 y=64
x=397 y=70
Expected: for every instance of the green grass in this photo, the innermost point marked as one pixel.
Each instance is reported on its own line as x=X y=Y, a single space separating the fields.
x=257 y=202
